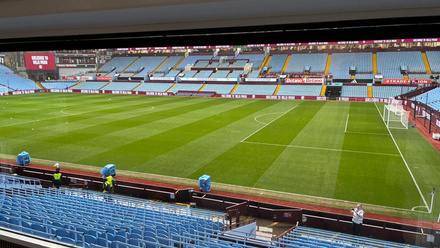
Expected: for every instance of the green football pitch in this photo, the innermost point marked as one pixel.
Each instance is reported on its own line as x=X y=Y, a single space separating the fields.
x=335 y=151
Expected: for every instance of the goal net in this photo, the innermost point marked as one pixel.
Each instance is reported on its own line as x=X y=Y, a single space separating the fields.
x=394 y=115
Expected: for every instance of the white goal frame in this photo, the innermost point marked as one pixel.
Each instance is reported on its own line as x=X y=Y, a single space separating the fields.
x=394 y=112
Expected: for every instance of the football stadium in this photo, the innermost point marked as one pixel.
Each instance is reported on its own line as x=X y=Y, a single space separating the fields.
x=175 y=139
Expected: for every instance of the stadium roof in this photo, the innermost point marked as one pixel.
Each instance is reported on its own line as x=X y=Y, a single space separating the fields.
x=30 y=18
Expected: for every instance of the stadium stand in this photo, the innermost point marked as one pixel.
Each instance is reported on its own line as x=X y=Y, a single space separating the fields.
x=202 y=64
x=91 y=219
x=389 y=63
x=189 y=74
x=170 y=63
x=15 y=82
x=155 y=87
x=277 y=62
x=219 y=88
x=300 y=90
x=186 y=87
x=255 y=59
x=364 y=76
x=172 y=73
x=239 y=64
x=120 y=86
x=58 y=85
x=311 y=237
x=91 y=86
x=391 y=91
x=430 y=98
x=148 y=63
x=203 y=74
x=255 y=89
x=236 y=73
x=434 y=60
x=192 y=59
x=341 y=62
x=254 y=74
x=419 y=76
x=117 y=64
x=354 y=91
x=316 y=61
x=220 y=74
x=213 y=65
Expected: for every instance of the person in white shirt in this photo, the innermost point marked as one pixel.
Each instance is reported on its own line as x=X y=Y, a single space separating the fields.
x=358 y=217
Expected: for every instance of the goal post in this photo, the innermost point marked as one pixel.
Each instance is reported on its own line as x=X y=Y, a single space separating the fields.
x=394 y=115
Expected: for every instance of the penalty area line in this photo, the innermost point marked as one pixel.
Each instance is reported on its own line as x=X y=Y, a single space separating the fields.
x=346 y=123
x=404 y=161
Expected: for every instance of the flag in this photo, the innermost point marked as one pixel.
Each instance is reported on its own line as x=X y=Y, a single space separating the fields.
x=432 y=192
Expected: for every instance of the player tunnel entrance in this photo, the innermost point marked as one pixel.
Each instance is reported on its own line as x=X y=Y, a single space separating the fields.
x=333 y=92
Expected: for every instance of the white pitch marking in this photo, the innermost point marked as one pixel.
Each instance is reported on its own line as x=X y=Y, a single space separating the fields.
x=256 y=117
x=346 y=123
x=267 y=124
x=320 y=148
x=315 y=197
x=404 y=160
x=369 y=133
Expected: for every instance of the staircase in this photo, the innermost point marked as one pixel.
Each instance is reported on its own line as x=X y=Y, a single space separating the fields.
x=405 y=77
x=327 y=66
x=180 y=62
x=203 y=86
x=105 y=85
x=276 y=90
x=324 y=87
x=267 y=61
x=39 y=84
x=137 y=87
x=286 y=63
x=264 y=62
x=171 y=87
x=369 y=91
x=425 y=60
x=78 y=84
x=374 y=63
x=163 y=62
x=131 y=64
x=353 y=76
x=233 y=89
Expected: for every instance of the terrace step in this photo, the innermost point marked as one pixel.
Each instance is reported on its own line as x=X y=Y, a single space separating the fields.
x=233 y=89
x=201 y=88
x=370 y=91
x=131 y=64
x=171 y=87
x=374 y=63
x=163 y=62
x=323 y=89
x=327 y=65
x=286 y=63
x=277 y=89
x=426 y=62
x=137 y=86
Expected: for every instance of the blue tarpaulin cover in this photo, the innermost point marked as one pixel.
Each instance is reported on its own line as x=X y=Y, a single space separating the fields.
x=23 y=158
x=108 y=169
x=205 y=183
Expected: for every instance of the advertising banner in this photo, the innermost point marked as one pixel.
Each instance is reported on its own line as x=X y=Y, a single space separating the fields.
x=40 y=61
x=304 y=80
x=406 y=81
x=107 y=78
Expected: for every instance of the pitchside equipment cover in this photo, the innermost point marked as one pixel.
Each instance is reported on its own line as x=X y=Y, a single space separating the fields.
x=108 y=169
x=205 y=183
x=23 y=158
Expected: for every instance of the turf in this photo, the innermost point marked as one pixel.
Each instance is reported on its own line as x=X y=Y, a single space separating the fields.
x=337 y=150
